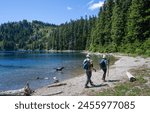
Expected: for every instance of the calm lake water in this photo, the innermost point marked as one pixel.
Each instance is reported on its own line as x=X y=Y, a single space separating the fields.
x=16 y=68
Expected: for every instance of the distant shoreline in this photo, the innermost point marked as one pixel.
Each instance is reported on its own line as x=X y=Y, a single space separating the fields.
x=43 y=51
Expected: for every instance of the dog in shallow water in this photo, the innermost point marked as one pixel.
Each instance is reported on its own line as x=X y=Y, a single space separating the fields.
x=59 y=69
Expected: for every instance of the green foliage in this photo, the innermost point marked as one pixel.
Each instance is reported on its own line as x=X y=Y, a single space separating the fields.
x=135 y=21
x=122 y=26
x=1 y=45
x=147 y=52
x=42 y=36
x=139 y=51
x=9 y=45
x=146 y=47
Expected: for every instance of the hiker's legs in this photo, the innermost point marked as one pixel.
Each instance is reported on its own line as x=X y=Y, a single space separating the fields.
x=91 y=83
x=89 y=74
x=104 y=75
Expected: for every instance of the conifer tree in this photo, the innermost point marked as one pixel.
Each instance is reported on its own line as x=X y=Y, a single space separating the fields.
x=135 y=21
x=119 y=21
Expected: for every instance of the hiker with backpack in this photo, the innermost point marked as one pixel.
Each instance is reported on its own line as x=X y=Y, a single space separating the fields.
x=104 y=65
x=88 y=66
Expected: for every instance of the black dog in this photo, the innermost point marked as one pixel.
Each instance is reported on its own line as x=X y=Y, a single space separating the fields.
x=59 y=69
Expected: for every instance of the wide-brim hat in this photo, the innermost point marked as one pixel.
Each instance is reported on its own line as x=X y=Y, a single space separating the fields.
x=88 y=56
x=104 y=56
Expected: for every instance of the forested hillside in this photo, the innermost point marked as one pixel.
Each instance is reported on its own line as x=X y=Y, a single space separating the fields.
x=123 y=26
x=24 y=35
x=120 y=26
x=37 y=35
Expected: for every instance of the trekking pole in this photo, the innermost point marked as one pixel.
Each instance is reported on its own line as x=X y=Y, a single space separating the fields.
x=108 y=66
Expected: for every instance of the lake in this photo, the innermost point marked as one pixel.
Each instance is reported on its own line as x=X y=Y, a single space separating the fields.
x=16 y=68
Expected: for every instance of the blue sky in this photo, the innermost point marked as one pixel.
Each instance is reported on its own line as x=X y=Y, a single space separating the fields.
x=50 y=11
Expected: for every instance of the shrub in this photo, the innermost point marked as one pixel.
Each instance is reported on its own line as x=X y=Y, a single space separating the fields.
x=139 y=51
x=147 y=52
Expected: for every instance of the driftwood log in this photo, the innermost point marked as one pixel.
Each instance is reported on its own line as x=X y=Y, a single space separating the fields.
x=26 y=91
x=56 y=85
x=130 y=77
x=19 y=92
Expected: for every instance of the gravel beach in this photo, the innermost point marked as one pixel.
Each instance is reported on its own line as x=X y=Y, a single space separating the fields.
x=75 y=86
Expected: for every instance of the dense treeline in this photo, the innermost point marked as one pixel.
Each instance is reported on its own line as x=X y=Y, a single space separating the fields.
x=74 y=35
x=121 y=26
x=37 y=35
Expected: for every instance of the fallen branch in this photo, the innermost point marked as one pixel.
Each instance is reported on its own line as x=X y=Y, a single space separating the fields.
x=56 y=85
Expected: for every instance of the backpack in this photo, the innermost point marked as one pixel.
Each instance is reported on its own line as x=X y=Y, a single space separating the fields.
x=86 y=65
x=102 y=63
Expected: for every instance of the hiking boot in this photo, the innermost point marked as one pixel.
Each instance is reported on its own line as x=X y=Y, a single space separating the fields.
x=86 y=87
x=93 y=85
x=104 y=81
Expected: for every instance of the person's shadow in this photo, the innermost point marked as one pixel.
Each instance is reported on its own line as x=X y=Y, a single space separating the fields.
x=100 y=85
x=113 y=80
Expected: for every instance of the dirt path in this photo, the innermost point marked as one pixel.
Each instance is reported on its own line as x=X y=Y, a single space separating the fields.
x=75 y=86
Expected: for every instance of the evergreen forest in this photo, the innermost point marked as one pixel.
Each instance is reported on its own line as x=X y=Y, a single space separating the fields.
x=120 y=26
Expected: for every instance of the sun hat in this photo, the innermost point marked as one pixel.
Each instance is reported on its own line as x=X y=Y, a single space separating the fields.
x=88 y=56
x=104 y=56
